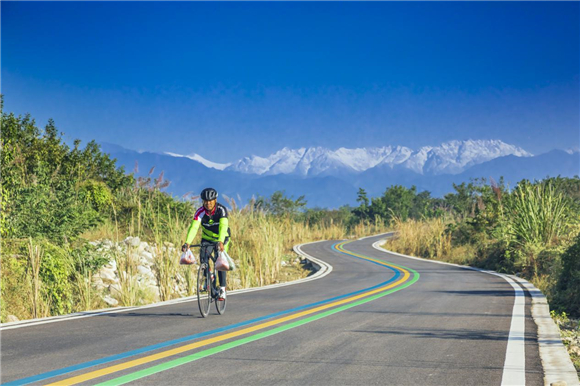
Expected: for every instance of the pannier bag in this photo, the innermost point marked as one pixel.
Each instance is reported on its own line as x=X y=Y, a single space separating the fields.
x=224 y=262
x=187 y=258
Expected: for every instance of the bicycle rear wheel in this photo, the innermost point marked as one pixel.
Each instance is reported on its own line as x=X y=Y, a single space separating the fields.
x=203 y=290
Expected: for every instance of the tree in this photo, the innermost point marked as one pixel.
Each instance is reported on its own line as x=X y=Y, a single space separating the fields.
x=362 y=211
x=279 y=204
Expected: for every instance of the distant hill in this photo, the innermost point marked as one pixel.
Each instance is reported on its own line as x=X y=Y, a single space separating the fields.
x=337 y=184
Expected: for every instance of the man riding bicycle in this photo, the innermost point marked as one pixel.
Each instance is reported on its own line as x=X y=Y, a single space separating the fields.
x=213 y=217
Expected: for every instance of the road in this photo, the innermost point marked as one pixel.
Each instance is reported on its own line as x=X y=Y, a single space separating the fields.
x=377 y=318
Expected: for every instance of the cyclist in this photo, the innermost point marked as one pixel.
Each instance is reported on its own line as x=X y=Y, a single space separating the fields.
x=213 y=217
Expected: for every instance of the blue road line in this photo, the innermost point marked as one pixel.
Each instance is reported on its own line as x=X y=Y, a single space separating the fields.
x=80 y=366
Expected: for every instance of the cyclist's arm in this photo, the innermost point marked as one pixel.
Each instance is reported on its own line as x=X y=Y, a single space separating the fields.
x=193 y=230
x=223 y=229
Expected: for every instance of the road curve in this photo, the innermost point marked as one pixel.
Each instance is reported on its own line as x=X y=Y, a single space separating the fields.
x=377 y=318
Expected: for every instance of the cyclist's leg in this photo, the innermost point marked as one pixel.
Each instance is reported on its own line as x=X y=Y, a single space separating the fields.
x=222 y=274
x=205 y=251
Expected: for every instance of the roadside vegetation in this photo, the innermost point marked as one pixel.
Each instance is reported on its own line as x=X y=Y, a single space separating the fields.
x=531 y=230
x=69 y=215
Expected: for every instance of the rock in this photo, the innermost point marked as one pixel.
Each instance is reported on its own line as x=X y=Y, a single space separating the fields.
x=99 y=286
x=12 y=318
x=112 y=265
x=155 y=291
x=284 y=264
x=108 y=275
x=144 y=271
x=148 y=257
x=132 y=241
x=115 y=288
x=111 y=301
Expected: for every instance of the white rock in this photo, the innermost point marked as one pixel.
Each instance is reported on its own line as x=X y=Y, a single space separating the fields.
x=111 y=301
x=12 y=318
x=115 y=288
x=148 y=256
x=132 y=241
x=99 y=286
x=143 y=270
x=108 y=275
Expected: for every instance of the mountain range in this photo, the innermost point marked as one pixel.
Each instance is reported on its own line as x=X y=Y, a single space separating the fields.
x=449 y=158
x=331 y=178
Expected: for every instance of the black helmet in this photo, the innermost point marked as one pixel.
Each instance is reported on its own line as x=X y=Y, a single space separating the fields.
x=209 y=194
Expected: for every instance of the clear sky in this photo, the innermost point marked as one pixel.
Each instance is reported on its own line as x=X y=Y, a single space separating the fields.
x=229 y=79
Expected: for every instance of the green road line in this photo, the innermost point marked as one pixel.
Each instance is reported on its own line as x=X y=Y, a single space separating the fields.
x=205 y=353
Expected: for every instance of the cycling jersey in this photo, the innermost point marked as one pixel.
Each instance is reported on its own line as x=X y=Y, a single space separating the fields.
x=214 y=225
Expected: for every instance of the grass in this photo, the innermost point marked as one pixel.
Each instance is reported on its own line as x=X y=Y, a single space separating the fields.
x=261 y=246
x=424 y=238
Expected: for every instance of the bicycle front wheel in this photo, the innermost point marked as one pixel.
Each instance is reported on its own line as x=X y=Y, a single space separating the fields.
x=220 y=305
x=203 y=290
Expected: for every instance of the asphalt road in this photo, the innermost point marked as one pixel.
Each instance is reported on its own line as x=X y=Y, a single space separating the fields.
x=364 y=323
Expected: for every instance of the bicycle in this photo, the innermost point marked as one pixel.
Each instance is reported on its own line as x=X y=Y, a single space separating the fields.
x=207 y=289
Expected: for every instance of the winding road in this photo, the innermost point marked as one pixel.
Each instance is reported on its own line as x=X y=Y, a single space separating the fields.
x=377 y=318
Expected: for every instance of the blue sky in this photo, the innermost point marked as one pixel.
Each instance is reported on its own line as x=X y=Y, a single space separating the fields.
x=226 y=80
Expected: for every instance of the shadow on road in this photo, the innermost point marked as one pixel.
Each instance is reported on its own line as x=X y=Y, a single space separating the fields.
x=146 y=315
x=461 y=334
x=509 y=292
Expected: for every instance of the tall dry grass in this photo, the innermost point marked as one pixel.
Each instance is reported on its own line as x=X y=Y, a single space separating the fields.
x=259 y=242
x=40 y=306
x=423 y=238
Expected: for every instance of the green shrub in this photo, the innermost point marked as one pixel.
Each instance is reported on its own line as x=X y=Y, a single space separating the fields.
x=569 y=282
x=537 y=213
x=15 y=299
x=97 y=194
x=55 y=273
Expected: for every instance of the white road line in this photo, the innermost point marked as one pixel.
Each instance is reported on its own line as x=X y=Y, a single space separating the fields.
x=556 y=362
x=514 y=369
x=324 y=269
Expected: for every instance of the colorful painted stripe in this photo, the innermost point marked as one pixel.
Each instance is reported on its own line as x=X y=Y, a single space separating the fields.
x=351 y=297
x=143 y=350
x=215 y=350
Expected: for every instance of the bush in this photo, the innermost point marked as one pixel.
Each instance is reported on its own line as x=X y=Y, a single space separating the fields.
x=14 y=294
x=55 y=272
x=569 y=282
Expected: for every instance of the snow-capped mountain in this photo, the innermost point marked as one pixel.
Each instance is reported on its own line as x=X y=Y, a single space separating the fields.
x=201 y=160
x=456 y=156
x=449 y=158
x=282 y=162
x=334 y=176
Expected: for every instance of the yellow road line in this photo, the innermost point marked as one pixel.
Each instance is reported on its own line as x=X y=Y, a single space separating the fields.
x=192 y=346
